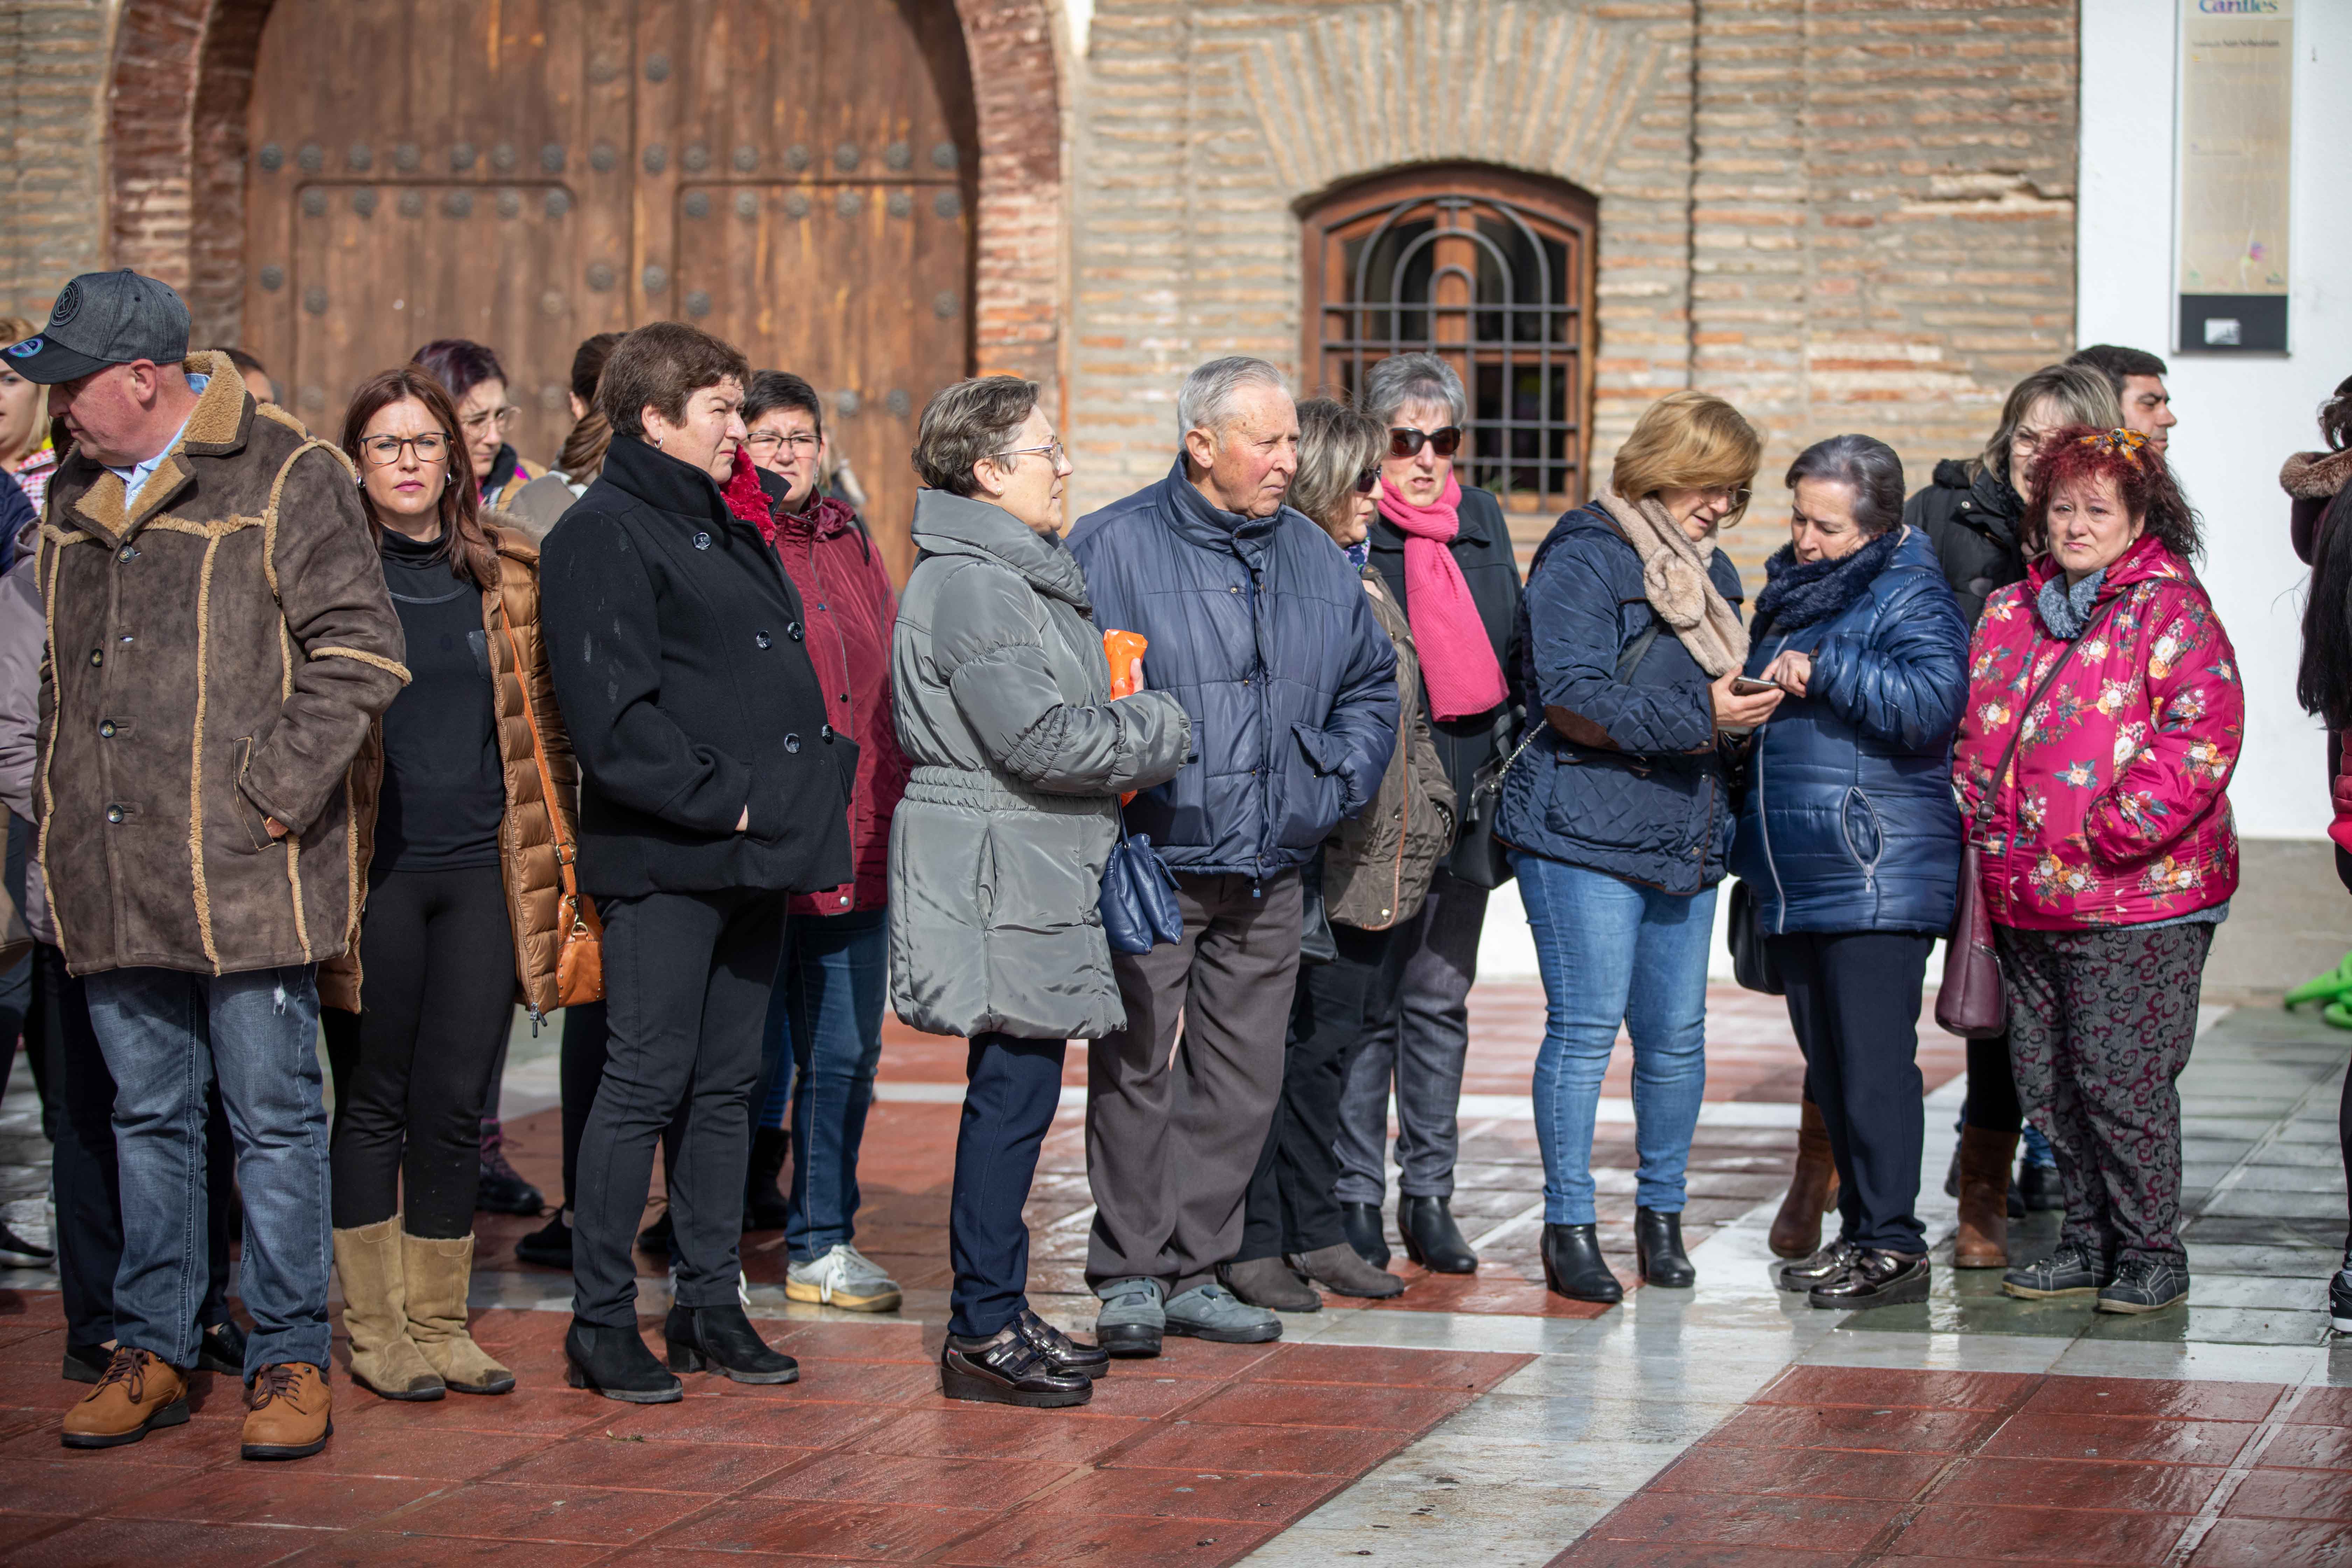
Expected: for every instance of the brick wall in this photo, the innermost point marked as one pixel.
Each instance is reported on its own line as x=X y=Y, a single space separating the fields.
x=53 y=58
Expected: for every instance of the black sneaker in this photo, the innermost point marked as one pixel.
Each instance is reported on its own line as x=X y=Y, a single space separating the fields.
x=1819 y=1269
x=2145 y=1285
x=2339 y=1300
x=2068 y=1271
x=550 y=1245
x=1067 y=1353
x=1875 y=1279
x=500 y=1189
x=1010 y=1367
x=2040 y=1187
x=220 y=1349
x=16 y=1252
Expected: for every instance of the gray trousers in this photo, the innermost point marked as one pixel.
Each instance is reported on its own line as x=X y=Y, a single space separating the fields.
x=1173 y=1129
x=1420 y=1047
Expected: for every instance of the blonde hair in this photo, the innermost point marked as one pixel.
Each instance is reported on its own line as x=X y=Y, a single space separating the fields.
x=16 y=330
x=1689 y=440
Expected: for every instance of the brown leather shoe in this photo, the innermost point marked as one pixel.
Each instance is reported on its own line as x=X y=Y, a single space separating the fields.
x=140 y=1392
x=287 y=1415
x=1812 y=1190
x=1985 y=1159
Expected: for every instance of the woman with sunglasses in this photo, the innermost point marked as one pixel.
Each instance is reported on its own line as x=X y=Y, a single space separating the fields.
x=1442 y=552
x=462 y=894
x=1619 y=816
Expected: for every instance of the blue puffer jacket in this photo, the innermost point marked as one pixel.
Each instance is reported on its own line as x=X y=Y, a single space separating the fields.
x=1626 y=777
x=1261 y=628
x=1849 y=823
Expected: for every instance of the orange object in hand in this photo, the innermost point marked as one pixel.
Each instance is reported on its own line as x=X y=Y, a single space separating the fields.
x=1125 y=651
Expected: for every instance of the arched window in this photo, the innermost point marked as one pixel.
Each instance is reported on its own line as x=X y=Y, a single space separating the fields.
x=1493 y=271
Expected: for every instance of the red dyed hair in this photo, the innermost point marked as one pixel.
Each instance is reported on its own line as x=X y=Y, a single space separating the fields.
x=2126 y=459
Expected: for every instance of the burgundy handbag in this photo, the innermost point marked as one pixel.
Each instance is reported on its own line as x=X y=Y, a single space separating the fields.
x=1973 y=1001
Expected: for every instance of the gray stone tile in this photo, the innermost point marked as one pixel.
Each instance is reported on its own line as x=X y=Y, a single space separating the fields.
x=2212 y=1363
x=1938 y=1352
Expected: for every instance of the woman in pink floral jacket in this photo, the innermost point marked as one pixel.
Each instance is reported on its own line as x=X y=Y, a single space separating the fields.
x=2110 y=856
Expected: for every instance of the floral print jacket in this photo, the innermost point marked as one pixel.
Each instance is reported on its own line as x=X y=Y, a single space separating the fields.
x=2115 y=812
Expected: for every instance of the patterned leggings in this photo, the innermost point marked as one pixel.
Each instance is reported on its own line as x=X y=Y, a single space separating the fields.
x=2100 y=1022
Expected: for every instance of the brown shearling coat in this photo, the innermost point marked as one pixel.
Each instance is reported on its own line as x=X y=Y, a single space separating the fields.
x=217 y=652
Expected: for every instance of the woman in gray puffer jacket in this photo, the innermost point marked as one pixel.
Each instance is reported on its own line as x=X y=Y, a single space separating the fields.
x=1001 y=694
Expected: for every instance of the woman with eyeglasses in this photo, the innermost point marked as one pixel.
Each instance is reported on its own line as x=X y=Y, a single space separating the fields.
x=462 y=890
x=478 y=386
x=1442 y=550
x=1619 y=816
x=823 y=1040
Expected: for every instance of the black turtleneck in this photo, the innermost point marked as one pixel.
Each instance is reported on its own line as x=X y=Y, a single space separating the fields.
x=443 y=786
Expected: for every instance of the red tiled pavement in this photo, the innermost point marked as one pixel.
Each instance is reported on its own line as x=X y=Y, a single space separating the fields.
x=1838 y=1464
x=1193 y=1458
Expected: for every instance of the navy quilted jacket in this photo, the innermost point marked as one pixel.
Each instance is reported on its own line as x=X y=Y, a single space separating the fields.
x=1626 y=777
x=1261 y=628
x=1849 y=823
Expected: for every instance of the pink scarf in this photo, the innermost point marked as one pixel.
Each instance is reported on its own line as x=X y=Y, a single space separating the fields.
x=1457 y=662
x=747 y=500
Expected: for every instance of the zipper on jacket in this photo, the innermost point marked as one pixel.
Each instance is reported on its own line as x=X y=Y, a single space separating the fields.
x=1763 y=822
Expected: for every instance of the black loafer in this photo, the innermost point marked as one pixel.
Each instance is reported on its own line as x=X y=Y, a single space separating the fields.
x=1009 y=1368
x=1432 y=1238
x=86 y=1364
x=615 y=1363
x=1819 y=1269
x=1574 y=1267
x=1875 y=1279
x=1658 y=1245
x=1067 y=1353
x=722 y=1338
x=1365 y=1233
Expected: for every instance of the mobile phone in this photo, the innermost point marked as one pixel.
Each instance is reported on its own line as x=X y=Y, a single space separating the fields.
x=1742 y=686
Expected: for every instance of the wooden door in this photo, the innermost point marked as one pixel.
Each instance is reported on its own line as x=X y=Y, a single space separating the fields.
x=793 y=175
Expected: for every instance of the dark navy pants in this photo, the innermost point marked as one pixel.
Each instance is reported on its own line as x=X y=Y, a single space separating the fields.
x=1013 y=1087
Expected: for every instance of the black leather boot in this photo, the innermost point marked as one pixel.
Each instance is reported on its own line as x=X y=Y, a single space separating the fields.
x=1432 y=1238
x=764 y=1207
x=1574 y=1267
x=722 y=1338
x=615 y=1363
x=1067 y=1353
x=1658 y=1238
x=1009 y=1367
x=1365 y=1232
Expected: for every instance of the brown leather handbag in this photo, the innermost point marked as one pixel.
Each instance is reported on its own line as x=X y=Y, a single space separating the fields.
x=1973 y=1000
x=580 y=935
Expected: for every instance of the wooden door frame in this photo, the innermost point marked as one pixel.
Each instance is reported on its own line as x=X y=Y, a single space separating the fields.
x=182 y=78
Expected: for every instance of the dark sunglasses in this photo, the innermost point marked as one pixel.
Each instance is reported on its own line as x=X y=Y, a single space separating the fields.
x=1406 y=442
x=1366 y=480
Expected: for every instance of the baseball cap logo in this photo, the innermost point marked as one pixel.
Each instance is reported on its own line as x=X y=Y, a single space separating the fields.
x=25 y=350
x=68 y=304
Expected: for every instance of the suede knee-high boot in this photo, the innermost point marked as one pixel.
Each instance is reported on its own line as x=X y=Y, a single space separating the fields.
x=375 y=1314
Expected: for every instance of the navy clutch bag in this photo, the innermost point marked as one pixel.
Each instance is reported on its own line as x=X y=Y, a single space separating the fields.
x=1139 y=897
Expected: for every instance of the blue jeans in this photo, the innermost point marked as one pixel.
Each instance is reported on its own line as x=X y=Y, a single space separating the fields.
x=1612 y=951
x=824 y=1046
x=165 y=1036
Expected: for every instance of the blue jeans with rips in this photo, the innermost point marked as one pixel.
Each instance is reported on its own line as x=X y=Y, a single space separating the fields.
x=1615 y=952
x=166 y=1035
x=823 y=1047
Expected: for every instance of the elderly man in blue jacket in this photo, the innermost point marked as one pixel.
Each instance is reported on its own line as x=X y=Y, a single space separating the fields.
x=1259 y=626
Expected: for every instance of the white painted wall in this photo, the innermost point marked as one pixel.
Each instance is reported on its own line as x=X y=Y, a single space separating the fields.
x=2240 y=417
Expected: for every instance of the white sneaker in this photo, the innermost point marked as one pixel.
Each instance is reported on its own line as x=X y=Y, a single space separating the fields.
x=843 y=1278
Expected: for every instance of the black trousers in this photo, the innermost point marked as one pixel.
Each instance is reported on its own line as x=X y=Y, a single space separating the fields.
x=1294 y=1203
x=580 y=1068
x=687 y=977
x=1013 y=1087
x=87 y=1180
x=412 y=1069
x=1991 y=1102
x=1853 y=1000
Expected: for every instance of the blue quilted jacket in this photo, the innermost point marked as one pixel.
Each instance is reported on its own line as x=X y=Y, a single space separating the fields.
x=1624 y=778
x=1262 y=629
x=1849 y=823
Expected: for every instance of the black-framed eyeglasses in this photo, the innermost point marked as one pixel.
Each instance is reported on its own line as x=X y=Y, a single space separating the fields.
x=1366 y=480
x=1406 y=442
x=383 y=451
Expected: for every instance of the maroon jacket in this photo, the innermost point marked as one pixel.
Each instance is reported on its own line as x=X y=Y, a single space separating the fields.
x=851 y=610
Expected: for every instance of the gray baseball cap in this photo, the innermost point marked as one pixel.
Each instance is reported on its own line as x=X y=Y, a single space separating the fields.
x=103 y=318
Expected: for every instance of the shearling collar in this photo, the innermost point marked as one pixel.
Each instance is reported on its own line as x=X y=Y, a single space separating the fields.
x=218 y=426
x=2316 y=476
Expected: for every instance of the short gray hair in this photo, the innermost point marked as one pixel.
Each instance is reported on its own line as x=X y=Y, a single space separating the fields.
x=1335 y=445
x=1865 y=463
x=1207 y=402
x=1400 y=379
x=966 y=422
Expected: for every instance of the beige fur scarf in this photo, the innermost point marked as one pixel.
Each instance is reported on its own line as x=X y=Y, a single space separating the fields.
x=1674 y=580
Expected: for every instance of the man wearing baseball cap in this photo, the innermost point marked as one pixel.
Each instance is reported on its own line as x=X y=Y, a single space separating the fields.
x=220 y=641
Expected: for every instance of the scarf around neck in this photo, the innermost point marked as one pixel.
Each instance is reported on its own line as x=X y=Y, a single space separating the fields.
x=1802 y=593
x=747 y=500
x=2067 y=611
x=1457 y=662
x=1675 y=581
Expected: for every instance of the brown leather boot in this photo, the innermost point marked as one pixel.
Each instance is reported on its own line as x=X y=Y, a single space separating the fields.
x=1812 y=1190
x=1985 y=1160
x=140 y=1392
x=287 y=1415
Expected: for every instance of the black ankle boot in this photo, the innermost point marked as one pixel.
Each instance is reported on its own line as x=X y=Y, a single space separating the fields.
x=615 y=1363
x=1432 y=1238
x=764 y=1207
x=1365 y=1232
x=722 y=1338
x=1658 y=1238
x=1574 y=1267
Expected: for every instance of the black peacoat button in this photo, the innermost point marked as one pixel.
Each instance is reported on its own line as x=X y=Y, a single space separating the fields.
x=824 y=733
x=702 y=541
x=114 y=814
x=792 y=742
x=761 y=639
x=792 y=630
